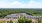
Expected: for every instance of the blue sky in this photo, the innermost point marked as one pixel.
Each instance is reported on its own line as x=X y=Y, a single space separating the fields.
x=20 y=3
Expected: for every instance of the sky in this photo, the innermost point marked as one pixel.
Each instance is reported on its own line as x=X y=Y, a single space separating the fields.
x=20 y=3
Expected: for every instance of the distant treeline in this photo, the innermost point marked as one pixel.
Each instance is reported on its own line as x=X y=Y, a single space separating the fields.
x=33 y=12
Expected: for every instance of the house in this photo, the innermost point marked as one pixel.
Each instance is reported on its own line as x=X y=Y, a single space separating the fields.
x=12 y=16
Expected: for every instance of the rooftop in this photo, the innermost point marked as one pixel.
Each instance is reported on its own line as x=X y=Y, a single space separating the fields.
x=24 y=14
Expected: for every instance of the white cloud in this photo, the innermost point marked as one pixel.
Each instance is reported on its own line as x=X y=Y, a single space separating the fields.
x=17 y=4
x=33 y=3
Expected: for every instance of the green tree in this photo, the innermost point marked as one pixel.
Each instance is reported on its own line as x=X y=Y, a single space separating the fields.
x=28 y=21
x=23 y=20
x=39 y=20
x=7 y=21
x=11 y=21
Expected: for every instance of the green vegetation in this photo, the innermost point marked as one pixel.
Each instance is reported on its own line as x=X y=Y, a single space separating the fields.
x=9 y=21
x=39 y=20
x=33 y=12
x=23 y=20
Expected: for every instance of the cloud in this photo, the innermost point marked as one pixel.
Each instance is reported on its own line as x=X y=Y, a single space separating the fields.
x=31 y=4
x=17 y=4
x=4 y=4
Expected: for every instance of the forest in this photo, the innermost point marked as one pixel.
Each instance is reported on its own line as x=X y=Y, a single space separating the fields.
x=33 y=12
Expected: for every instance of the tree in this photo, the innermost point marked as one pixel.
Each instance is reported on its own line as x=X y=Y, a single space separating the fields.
x=11 y=21
x=7 y=21
x=28 y=21
x=23 y=20
x=39 y=20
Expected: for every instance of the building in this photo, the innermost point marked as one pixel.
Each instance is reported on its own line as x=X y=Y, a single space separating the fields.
x=17 y=16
